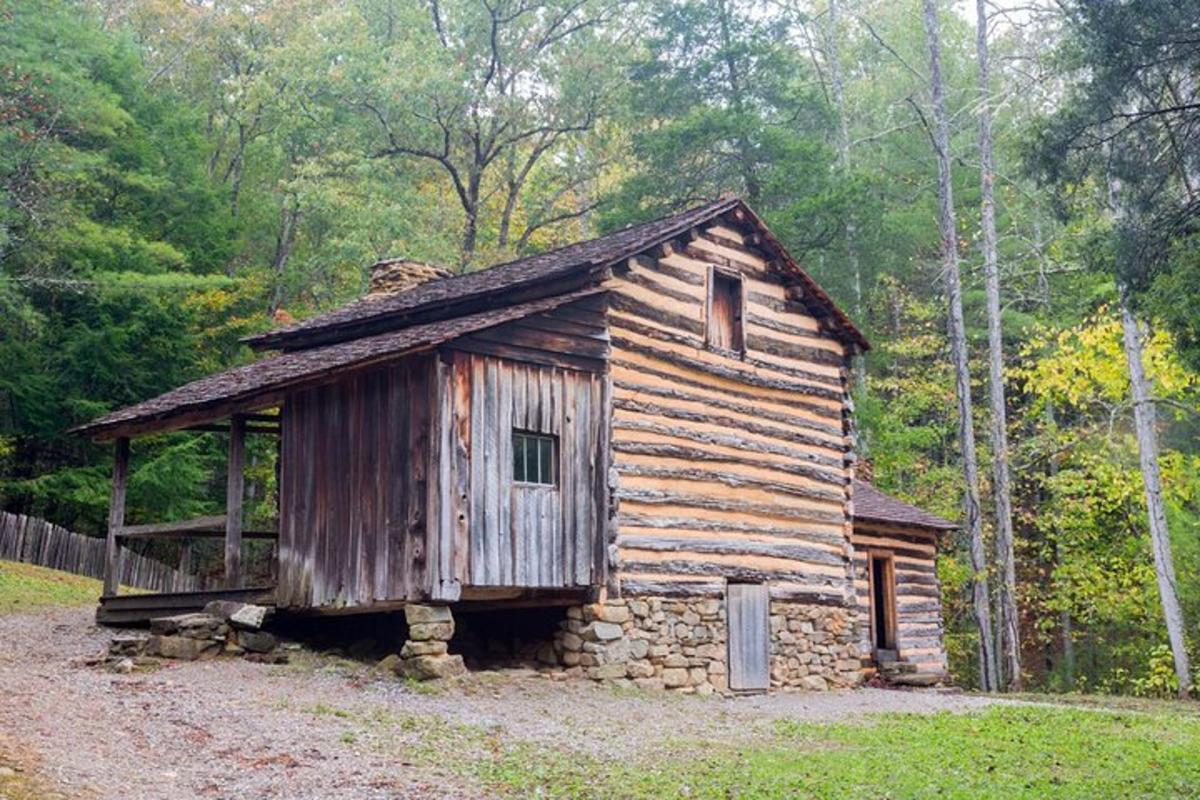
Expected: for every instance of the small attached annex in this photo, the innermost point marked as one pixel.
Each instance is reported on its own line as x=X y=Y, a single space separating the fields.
x=650 y=431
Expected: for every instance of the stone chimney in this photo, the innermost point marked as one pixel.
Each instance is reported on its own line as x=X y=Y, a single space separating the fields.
x=395 y=275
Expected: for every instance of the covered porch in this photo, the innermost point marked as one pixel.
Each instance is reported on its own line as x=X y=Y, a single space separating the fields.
x=229 y=527
x=357 y=429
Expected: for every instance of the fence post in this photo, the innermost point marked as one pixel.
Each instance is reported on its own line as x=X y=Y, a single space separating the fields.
x=116 y=517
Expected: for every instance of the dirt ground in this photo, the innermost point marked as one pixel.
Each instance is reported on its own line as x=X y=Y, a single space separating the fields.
x=323 y=727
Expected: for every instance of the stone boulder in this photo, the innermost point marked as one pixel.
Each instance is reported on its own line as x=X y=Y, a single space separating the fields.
x=600 y=631
x=389 y=663
x=424 y=631
x=246 y=616
x=415 y=614
x=425 y=668
x=182 y=648
x=194 y=626
x=426 y=648
x=128 y=645
x=256 y=641
x=813 y=683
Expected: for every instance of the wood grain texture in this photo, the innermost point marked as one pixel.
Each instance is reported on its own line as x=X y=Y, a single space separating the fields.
x=731 y=457
x=917 y=624
x=353 y=489
x=749 y=637
x=235 y=483
x=116 y=516
x=521 y=534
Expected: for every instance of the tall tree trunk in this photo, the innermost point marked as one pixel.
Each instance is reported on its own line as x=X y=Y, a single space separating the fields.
x=469 y=197
x=1065 y=626
x=843 y=145
x=738 y=103
x=1010 y=637
x=1147 y=439
x=285 y=240
x=958 y=347
x=1160 y=540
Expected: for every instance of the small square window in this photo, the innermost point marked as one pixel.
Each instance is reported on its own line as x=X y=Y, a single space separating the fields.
x=534 y=458
x=726 y=329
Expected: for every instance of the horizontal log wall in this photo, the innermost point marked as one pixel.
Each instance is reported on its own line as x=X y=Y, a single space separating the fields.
x=353 y=488
x=919 y=627
x=730 y=466
x=36 y=541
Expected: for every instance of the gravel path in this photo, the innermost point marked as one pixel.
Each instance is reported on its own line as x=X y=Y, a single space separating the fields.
x=325 y=728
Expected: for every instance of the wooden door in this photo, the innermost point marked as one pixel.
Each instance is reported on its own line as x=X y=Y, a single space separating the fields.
x=749 y=637
x=883 y=601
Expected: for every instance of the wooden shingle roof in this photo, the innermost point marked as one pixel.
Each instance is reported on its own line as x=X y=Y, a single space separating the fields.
x=255 y=383
x=872 y=505
x=387 y=325
x=540 y=269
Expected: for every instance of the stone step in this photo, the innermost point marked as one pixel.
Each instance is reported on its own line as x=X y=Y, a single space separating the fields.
x=916 y=679
x=895 y=667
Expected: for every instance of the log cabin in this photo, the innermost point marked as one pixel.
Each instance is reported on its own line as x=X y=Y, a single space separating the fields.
x=651 y=430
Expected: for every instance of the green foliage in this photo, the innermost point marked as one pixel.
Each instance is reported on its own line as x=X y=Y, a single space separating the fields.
x=1091 y=525
x=723 y=102
x=1009 y=752
x=112 y=234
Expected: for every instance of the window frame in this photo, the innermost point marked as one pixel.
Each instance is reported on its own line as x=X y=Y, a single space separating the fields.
x=537 y=436
x=738 y=334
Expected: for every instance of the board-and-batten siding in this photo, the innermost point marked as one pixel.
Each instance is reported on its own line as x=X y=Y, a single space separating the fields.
x=730 y=467
x=520 y=534
x=352 y=489
x=919 y=628
x=540 y=375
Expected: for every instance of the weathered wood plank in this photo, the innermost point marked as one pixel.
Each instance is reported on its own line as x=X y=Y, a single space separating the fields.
x=636 y=422
x=748 y=637
x=234 y=496
x=820 y=417
x=730 y=547
x=116 y=516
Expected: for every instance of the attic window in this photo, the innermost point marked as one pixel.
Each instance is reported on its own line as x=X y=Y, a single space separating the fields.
x=726 y=303
x=534 y=457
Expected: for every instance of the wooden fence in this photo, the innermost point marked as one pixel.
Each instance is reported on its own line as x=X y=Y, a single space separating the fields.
x=36 y=541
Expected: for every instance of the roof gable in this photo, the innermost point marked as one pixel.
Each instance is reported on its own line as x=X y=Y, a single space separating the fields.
x=535 y=276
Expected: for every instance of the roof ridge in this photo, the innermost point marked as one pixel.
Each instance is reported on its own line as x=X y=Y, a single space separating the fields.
x=441 y=289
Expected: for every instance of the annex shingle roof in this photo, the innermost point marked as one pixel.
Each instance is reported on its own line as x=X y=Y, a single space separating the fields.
x=260 y=378
x=875 y=506
x=609 y=249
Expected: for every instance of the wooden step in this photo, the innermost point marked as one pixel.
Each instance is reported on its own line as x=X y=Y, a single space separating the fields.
x=139 y=609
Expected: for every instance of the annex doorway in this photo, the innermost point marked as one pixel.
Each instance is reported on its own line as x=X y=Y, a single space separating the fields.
x=883 y=602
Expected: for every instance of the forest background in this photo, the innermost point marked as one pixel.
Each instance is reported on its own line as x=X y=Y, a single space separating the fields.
x=177 y=174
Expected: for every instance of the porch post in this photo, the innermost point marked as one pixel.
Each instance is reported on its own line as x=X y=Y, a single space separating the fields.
x=233 y=502
x=116 y=517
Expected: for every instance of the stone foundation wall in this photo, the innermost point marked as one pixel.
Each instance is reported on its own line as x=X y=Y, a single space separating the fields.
x=680 y=644
x=814 y=647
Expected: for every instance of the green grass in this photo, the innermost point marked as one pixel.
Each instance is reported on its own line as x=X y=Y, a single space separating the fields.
x=25 y=587
x=1005 y=753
